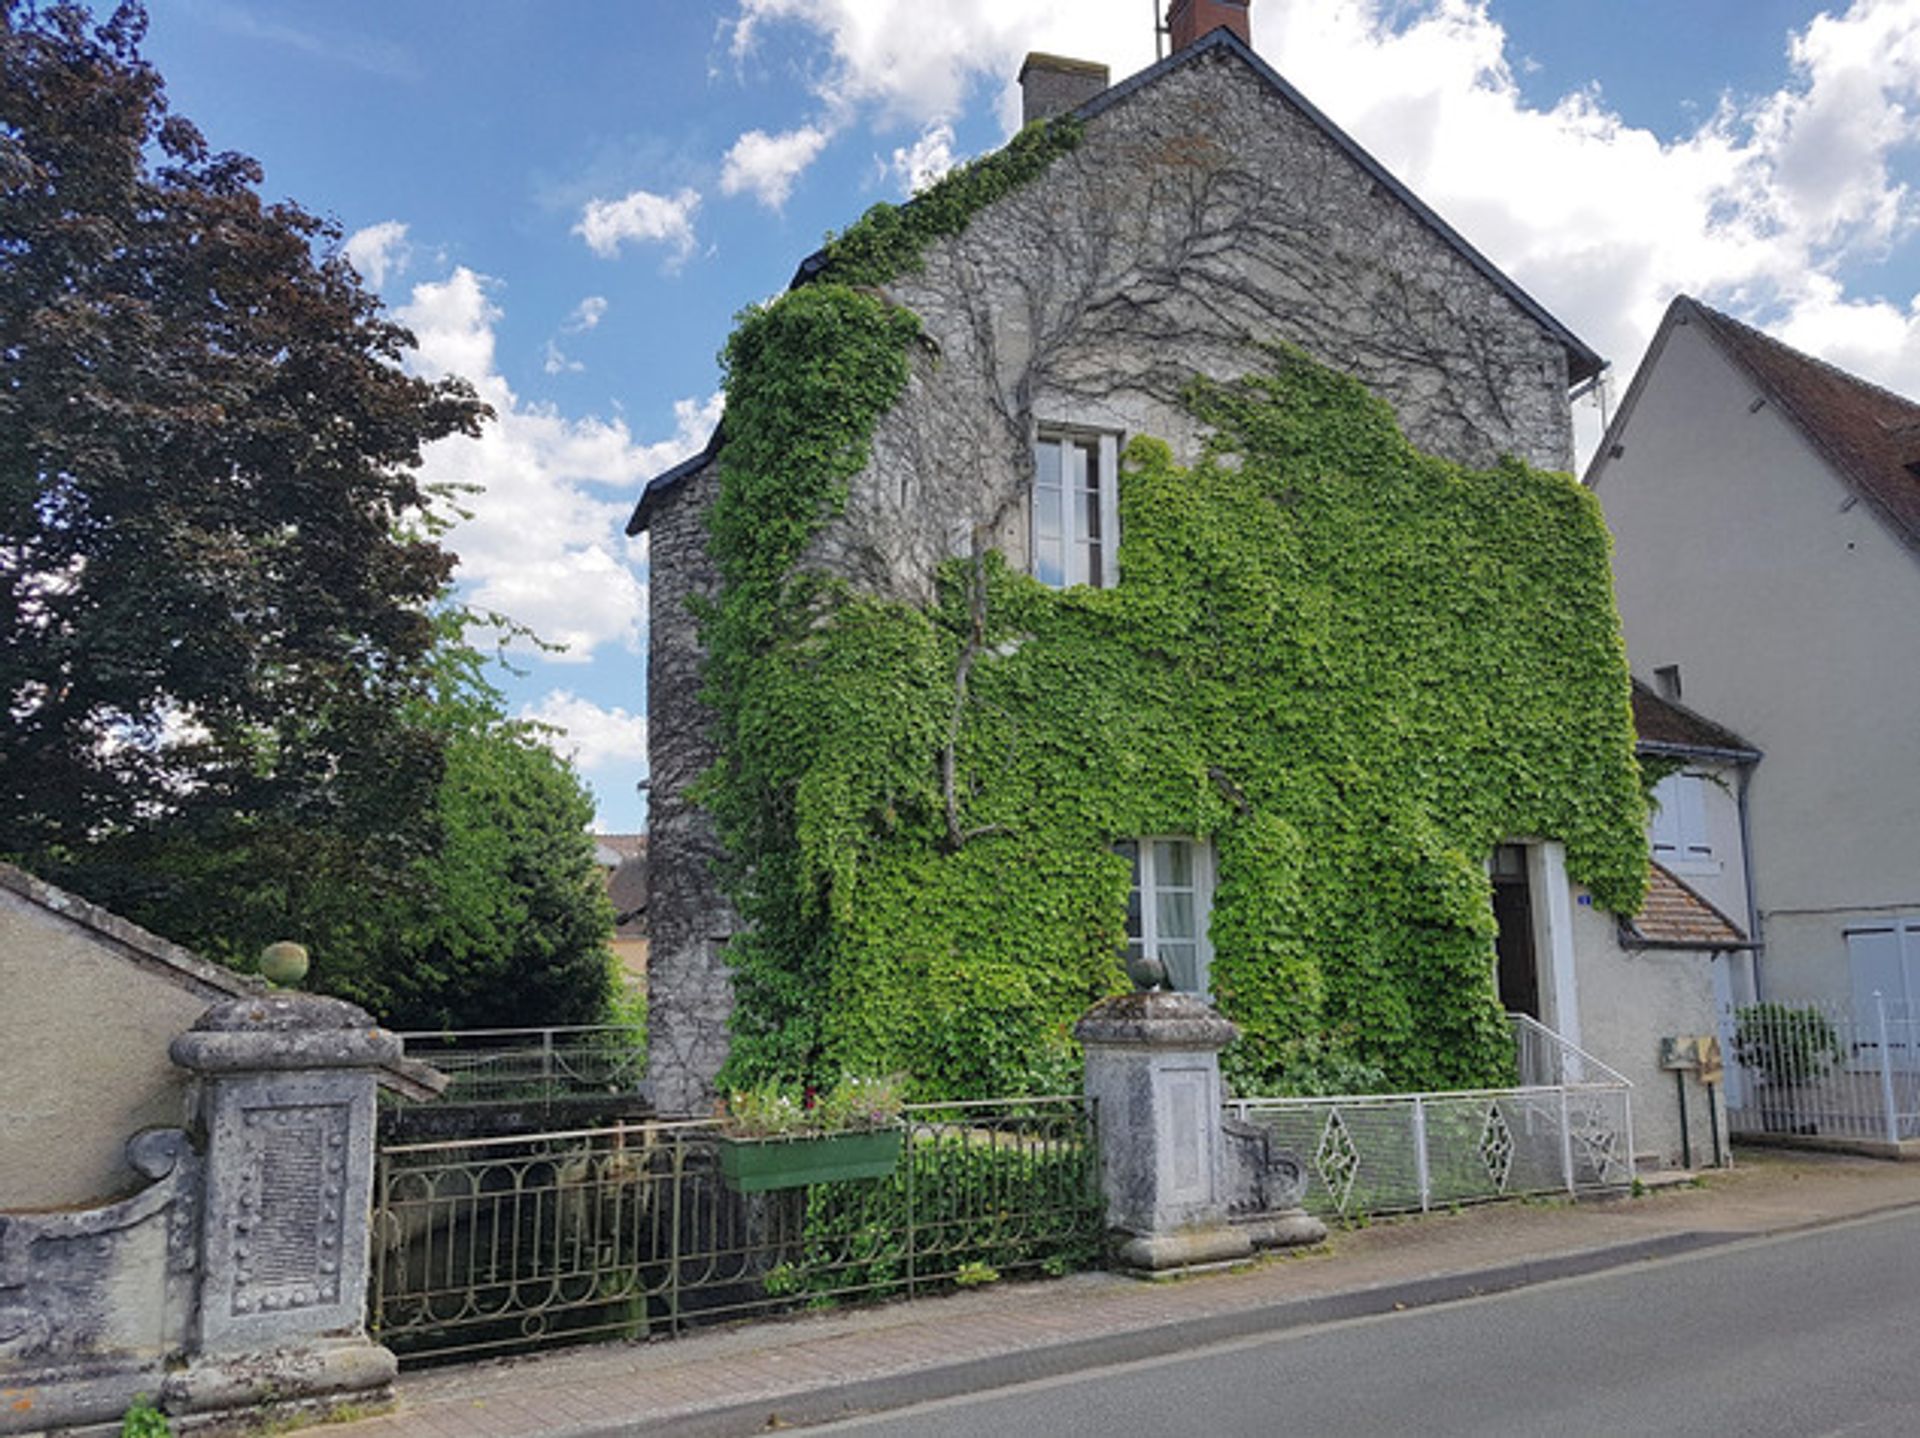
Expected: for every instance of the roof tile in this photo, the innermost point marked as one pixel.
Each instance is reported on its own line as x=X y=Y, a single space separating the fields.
x=1870 y=435
x=1674 y=916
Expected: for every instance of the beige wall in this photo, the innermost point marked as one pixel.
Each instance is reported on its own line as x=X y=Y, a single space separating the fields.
x=84 y=1030
x=1629 y=1001
x=1790 y=609
x=631 y=954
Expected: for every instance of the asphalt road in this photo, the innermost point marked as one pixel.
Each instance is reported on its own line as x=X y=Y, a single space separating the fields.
x=1814 y=1333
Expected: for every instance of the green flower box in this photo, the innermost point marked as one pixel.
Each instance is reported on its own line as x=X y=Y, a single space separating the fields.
x=759 y=1165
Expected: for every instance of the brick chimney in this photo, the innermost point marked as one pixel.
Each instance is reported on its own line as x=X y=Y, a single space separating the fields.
x=1191 y=20
x=1051 y=85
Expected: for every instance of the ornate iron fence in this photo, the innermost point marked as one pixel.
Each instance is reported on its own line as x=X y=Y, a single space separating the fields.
x=500 y=1066
x=1398 y=1153
x=498 y=1245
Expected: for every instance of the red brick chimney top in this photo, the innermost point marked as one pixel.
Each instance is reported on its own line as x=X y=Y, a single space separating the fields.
x=1191 y=20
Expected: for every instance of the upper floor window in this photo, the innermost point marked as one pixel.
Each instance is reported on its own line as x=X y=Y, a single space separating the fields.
x=1679 y=825
x=1076 y=510
x=1170 y=907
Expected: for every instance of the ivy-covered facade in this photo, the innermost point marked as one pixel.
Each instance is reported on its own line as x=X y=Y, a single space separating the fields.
x=1155 y=535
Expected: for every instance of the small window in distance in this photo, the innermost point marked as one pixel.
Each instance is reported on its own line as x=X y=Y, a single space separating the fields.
x=1678 y=827
x=1076 y=510
x=1666 y=682
x=1170 y=906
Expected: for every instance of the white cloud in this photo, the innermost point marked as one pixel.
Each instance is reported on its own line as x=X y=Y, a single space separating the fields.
x=767 y=165
x=919 y=62
x=555 y=361
x=587 y=314
x=379 y=251
x=592 y=737
x=664 y=219
x=544 y=544
x=926 y=159
x=1761 y=208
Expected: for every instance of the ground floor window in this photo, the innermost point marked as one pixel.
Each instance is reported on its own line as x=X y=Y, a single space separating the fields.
x=1169 y=907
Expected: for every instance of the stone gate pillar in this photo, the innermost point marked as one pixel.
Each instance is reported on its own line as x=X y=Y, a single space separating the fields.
x=1153 y=1073
x=285 y=1101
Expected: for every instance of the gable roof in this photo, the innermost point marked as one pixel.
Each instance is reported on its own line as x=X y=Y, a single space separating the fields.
x=1664 y=727
x=1869 y=436
x=610 y=851
x=1583 y=363
x=1674 y=916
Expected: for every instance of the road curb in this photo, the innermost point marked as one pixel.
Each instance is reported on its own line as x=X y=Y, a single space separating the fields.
x=926 y=1385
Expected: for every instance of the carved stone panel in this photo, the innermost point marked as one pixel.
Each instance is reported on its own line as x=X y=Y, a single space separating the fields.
x=290 y=1218
x=289 y=1187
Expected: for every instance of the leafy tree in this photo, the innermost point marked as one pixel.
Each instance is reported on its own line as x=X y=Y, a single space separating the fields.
x=211 y=536
x=229 y=710
x=507 y=920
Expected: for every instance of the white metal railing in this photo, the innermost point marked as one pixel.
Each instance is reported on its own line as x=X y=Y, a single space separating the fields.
x=487 y=1066
x=1544 y=1058
x=1822 y=1071
x=1566 y=1128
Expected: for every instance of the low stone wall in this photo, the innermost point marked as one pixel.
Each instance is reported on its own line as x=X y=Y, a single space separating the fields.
x=235 y=1283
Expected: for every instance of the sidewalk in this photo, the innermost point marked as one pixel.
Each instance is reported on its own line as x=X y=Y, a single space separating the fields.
x=809 y=1369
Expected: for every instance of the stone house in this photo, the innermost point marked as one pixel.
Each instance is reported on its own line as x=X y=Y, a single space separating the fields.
x=1208 y=212
x=1766 y=514
x=623 y=861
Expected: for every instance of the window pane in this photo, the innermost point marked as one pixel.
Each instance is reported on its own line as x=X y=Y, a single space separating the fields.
x=1049 y=567
x=1134 y=932
x=1183 y=965
x=1076 y=454
x=1095 y=575
x=1046 y=513
x=1086 y=516
x=1173 y=863
x=1173 y=915
x=1046 y=464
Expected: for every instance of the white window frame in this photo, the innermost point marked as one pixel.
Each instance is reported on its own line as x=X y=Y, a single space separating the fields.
x=1075 y=564
x=1149 y=889
x=1677 y=829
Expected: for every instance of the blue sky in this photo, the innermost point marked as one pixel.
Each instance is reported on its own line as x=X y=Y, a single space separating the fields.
x=569 y=201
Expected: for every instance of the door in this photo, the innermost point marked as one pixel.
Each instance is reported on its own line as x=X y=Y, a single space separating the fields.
x=1517 y=965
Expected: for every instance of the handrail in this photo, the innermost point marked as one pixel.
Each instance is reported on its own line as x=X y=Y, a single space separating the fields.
x=1526 y=1027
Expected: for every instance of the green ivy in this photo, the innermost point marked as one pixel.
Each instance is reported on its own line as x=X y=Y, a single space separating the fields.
x=1352 y=667
x=890 y=239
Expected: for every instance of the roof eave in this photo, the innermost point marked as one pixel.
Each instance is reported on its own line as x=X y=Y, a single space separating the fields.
x=1632 y=938
x=1697 y=751
x=657 y=486
x=1811 y=433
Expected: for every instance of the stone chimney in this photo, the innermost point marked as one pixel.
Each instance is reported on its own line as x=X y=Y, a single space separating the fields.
x=1191 y=20
x=1050 y=85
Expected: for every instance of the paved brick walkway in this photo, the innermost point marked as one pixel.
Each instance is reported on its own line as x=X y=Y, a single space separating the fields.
x=755 y=1376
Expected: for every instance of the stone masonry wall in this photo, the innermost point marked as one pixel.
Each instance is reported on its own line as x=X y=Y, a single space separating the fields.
x=1202 y=218
x=689 y=988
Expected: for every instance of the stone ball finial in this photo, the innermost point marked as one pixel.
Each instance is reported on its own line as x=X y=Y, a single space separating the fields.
x=1147 y=972
x=284 y=962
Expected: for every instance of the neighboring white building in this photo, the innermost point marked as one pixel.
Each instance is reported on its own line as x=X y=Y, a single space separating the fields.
x=1765 y=508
